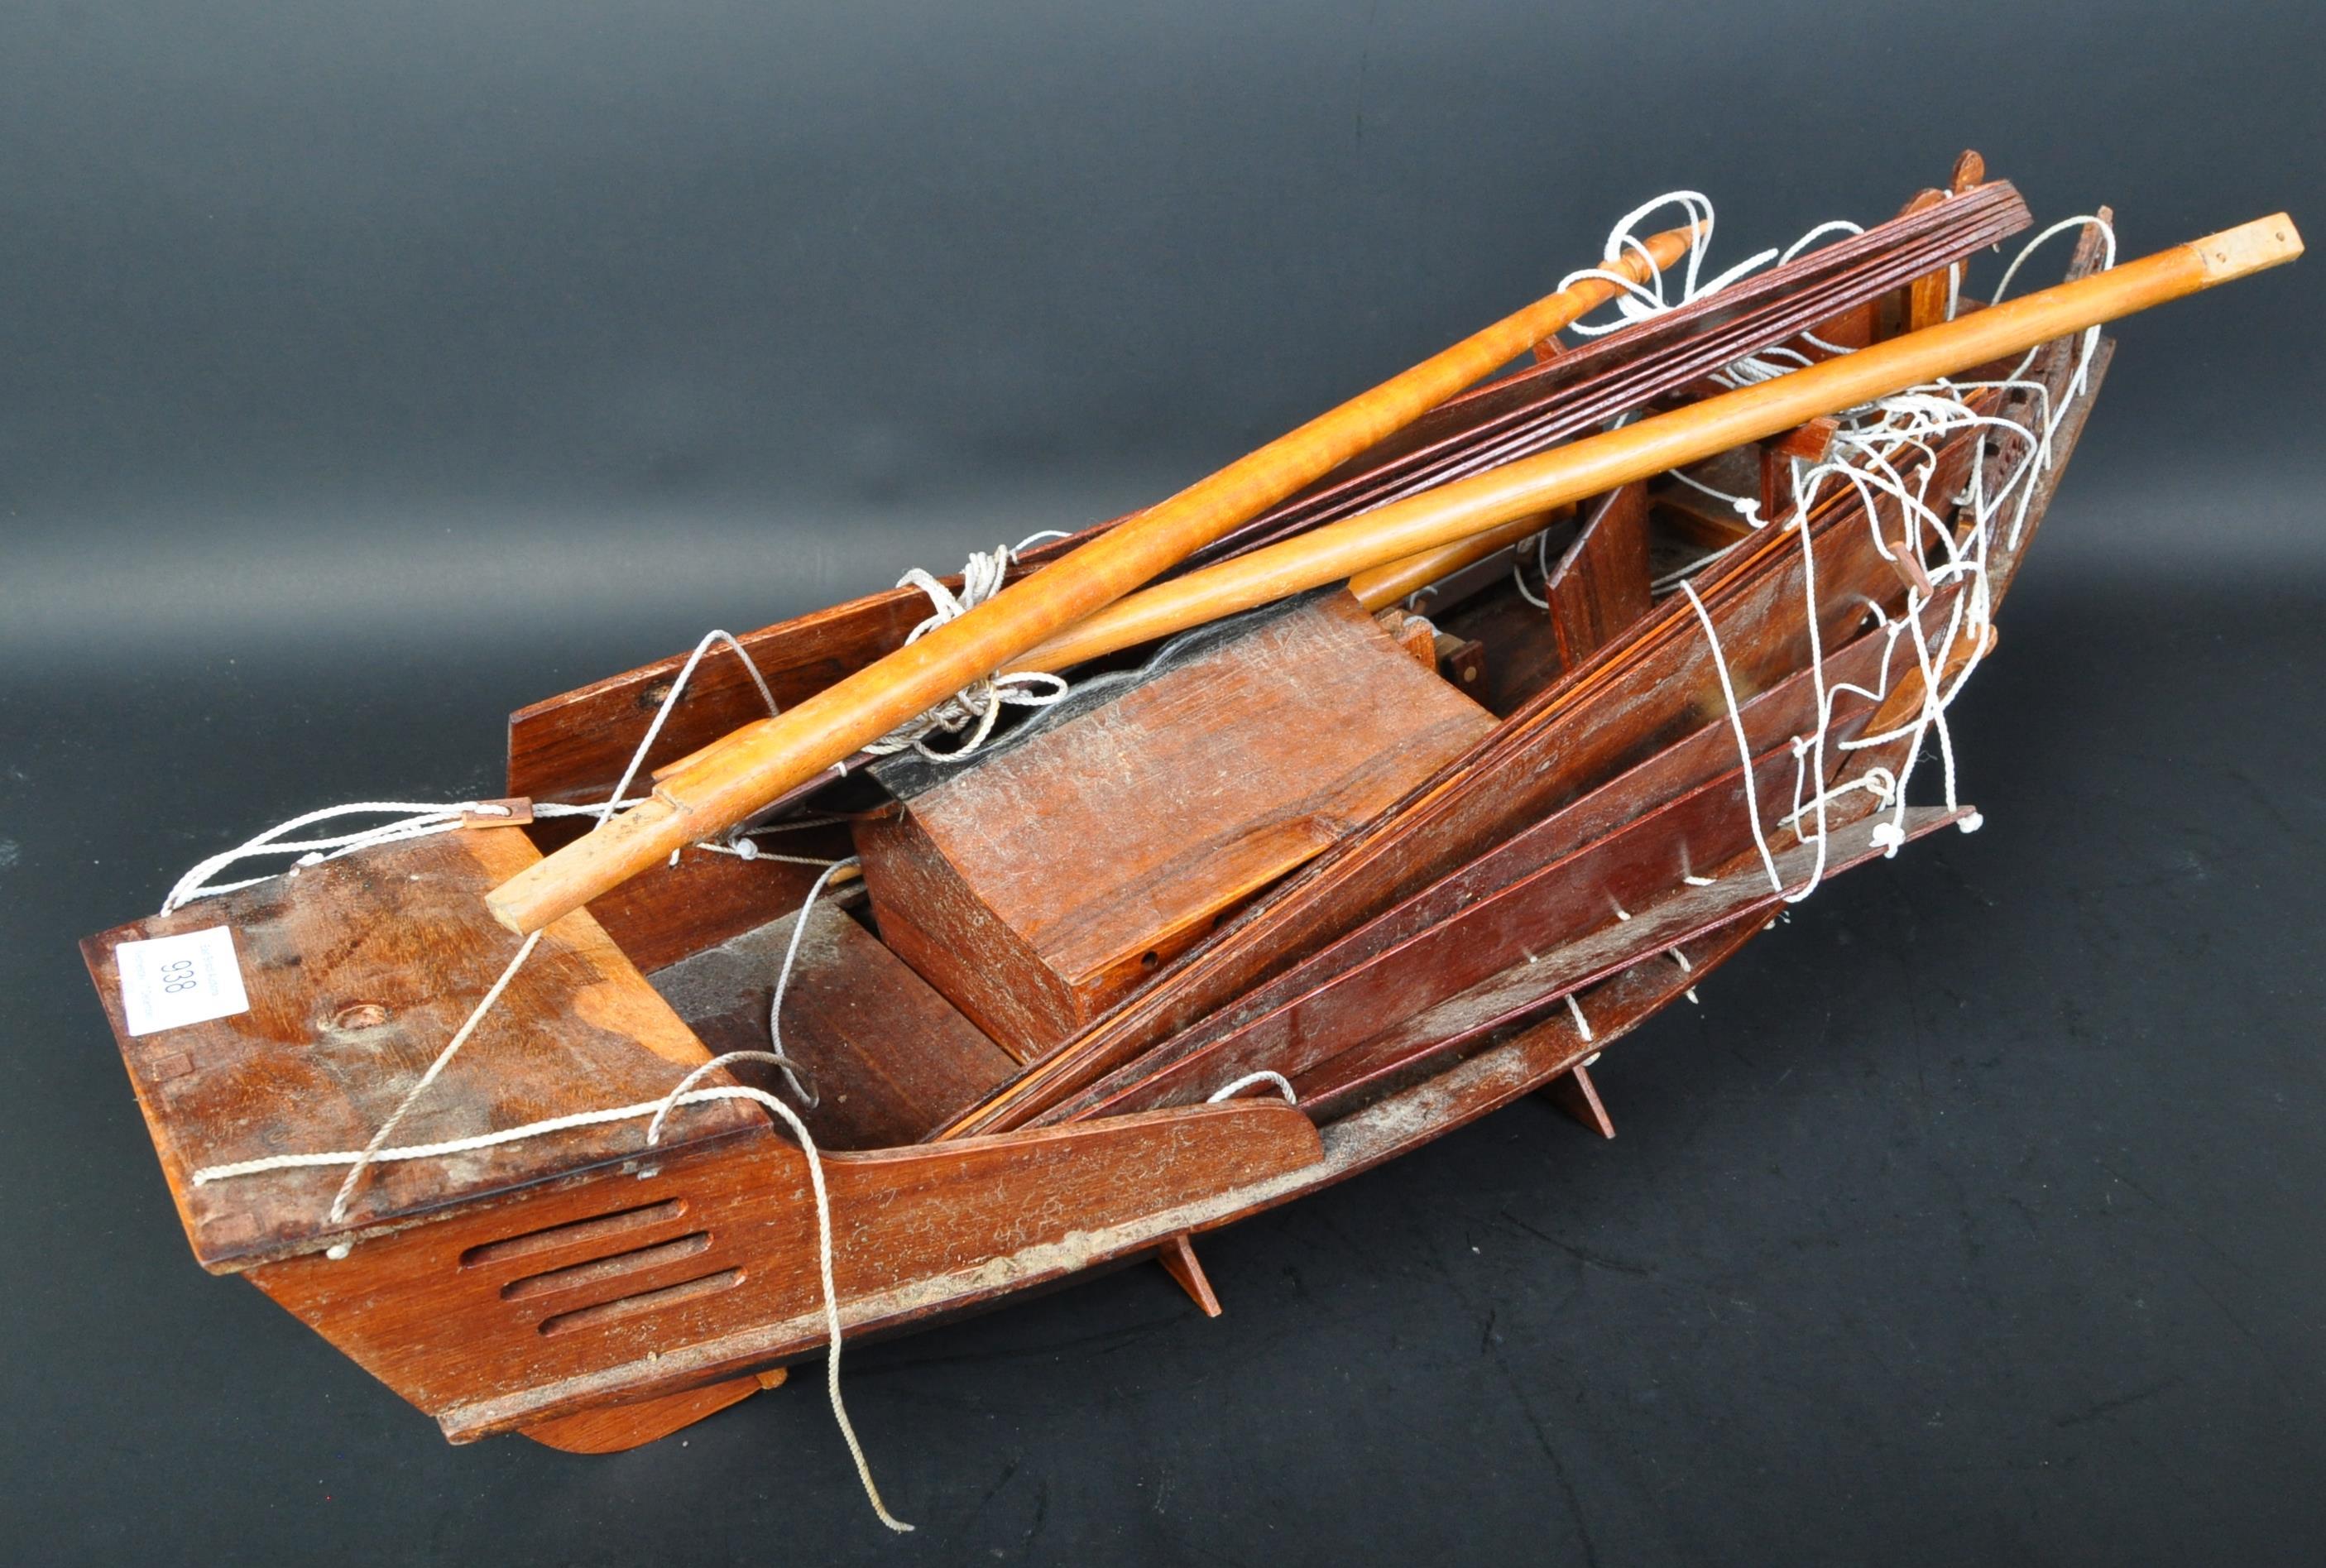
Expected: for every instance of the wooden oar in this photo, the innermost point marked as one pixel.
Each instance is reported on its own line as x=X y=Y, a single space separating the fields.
x=742 y=774
x=1502 y=498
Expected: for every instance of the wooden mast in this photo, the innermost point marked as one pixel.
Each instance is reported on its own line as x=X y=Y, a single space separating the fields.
x=755 y=764
x=726 y=783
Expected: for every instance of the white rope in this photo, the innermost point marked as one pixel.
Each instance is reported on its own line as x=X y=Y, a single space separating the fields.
x=663 y=709
x=423 y=819
x=1863 y=455
x=420 y=820
x=1638 y=302
x=338 y=1211
x=1291 y=1096
x=376 y=1155
x=976 y=707
x=775 y=1054
x=1744 y=745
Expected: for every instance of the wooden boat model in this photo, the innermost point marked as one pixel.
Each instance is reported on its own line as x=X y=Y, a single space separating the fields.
x=1413 y=855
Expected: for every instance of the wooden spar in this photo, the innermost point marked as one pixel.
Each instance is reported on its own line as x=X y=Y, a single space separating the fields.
x=1582 y=389
x=757 y=763
x=1383 y=586
x=1453 y=512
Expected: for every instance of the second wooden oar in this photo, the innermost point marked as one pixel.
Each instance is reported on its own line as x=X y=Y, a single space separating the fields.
x=1500 y=498
x=742 y=774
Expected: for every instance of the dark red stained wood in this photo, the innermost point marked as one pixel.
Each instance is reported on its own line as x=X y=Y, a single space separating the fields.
x=1526 y=924
x=359 y=971
x=663 y=914
x=885 y=1057
x=1521 y=651
x=1574 y=1092
x=2054 y=368
x=1518 y=1057
x=1526 y=991
x=700 y=1266
x=1634 y=698
x=612 y=1428
x=1177 y=1257
x=2008 y=553
x=1037 y=887
x=573 y=747
x=1810 y=445
x=1709 y=755
x=1599 y=588
x=1615 y=374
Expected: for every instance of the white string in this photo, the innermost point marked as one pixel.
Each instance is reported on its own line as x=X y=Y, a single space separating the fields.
x=1744 y=745
x=338 y=1211
x=1638 y=302
x=1291 y=1096
x=422 y=819
x=976 y=707
x=775 y=1054
x=664 y=709
x=374 y=1156
x=1863 y=455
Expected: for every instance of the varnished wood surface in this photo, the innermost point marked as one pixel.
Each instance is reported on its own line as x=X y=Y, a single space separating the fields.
x=1654 y=688
x=756 y=764
x=1536 y=925
x=1039 y=887
x=612 y=1428
x=1594 y=464
x=700 y=1266
x=573 y=746
x=1620 y=372
x=1770 y=720
x=883 y=1056
x=1523 y=991
x=358 y=971
x=1599 y=588
x=1574 y=1092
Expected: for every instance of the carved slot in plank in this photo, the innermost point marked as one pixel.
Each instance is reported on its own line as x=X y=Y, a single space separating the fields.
x=597 y=1270
x=630 y=1306
x=620 y=1222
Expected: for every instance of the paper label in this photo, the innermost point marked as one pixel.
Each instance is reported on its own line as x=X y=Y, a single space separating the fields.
x=174 y=980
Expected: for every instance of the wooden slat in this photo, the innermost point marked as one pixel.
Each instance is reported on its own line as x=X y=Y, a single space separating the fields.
x=1599 y=588
x=1525 y=990
x=1770 y=721
x=885 y=1057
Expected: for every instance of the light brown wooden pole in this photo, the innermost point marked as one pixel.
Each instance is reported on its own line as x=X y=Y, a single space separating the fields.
x=1382 y=586
x=737 y=776
x=1596 y=464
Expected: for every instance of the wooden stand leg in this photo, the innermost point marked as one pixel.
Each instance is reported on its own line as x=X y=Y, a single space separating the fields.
x=616 y=1427
x=1574 y=1092
x=1177 y=1257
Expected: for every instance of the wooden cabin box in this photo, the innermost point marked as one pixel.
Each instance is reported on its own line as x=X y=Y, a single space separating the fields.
x=1039 y=885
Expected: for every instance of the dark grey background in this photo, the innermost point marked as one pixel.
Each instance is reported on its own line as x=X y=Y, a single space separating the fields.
x=368 y=372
